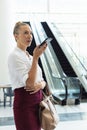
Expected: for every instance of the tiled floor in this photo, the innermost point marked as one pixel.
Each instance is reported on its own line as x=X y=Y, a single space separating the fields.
x=70 y=125
x=72 y=117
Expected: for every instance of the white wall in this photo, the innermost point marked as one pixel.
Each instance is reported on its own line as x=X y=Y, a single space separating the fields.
x=6 y=37
x=56 y=6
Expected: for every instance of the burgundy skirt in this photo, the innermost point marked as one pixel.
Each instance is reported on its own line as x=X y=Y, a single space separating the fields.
x=26 y=109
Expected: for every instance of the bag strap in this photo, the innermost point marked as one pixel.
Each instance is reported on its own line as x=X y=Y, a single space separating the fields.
x=50 y=96
x=46 y=90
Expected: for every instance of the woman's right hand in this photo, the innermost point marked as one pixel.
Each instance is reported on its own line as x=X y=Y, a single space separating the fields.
x=38 y=51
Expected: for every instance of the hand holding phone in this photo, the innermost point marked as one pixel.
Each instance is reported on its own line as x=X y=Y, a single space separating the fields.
x=47 y=40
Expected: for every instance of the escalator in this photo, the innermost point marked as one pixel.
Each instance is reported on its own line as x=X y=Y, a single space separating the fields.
x=73 y=58
x=54 y=52
x=67 y=68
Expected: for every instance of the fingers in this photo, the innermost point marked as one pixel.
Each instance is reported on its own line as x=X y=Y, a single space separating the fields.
x=43 y=46
x=34 y=92
x=30 y=90
x=40 y=49
x=35 y=89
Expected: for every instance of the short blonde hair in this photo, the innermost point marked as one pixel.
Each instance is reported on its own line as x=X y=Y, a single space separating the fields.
x=17 y=27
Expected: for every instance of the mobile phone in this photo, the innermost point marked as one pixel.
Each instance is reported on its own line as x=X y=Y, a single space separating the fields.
x=47 y=40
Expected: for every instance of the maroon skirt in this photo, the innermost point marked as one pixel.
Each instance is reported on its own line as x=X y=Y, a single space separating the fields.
x=26 y=109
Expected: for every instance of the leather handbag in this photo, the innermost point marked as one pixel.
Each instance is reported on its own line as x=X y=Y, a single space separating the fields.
x=48 y=115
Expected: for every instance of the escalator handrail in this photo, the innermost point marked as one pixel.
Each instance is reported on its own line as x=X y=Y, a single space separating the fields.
x=72 y=50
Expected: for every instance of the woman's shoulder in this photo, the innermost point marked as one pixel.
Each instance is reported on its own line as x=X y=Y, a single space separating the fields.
x=14 y=55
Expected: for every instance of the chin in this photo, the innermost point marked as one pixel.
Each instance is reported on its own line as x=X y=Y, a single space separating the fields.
x=28 y=45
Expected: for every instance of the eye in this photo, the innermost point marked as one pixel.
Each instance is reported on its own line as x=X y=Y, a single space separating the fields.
x=31 y=33
x=26 y=32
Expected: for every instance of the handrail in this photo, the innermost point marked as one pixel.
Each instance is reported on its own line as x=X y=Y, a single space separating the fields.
x=72 y=50
x=76 y=55
x=77 y=66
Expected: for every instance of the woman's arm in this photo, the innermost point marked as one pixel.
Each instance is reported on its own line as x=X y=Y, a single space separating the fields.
x=32 y=74
x=30 y=82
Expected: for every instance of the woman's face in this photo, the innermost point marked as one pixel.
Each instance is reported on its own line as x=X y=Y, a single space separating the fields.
x=24 y=36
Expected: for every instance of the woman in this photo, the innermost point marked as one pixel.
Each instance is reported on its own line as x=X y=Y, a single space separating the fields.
x=26 y=78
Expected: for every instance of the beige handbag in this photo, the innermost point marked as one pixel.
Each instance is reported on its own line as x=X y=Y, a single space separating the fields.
x=48 y=115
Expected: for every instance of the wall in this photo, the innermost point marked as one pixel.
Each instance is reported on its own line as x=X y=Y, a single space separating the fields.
x=6 y=38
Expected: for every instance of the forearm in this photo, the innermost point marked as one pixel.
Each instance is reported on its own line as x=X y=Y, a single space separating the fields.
x=32 y=73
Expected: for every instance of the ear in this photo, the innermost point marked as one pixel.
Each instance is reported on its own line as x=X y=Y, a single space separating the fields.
x=16 y=36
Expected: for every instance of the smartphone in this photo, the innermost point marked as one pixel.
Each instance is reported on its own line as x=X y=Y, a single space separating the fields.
x=47 y=40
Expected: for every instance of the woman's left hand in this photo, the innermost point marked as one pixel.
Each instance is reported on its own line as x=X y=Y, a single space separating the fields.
x=37 y=87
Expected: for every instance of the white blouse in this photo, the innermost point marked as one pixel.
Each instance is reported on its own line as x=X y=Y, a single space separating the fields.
x=19 y=65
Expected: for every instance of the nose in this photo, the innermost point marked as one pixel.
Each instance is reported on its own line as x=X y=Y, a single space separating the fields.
x=30 y=36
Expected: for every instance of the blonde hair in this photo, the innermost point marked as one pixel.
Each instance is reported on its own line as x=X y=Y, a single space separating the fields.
x=17 y=27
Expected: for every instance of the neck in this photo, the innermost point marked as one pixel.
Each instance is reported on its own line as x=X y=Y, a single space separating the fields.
x=22 y=48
